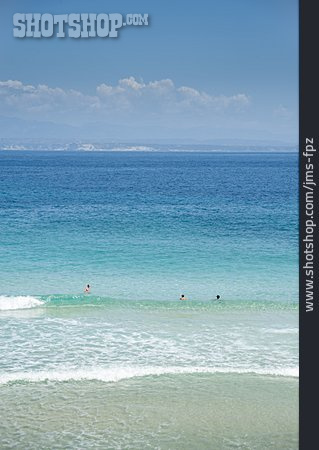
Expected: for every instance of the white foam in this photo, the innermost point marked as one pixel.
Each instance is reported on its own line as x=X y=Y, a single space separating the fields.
x=18 y=302
x=122 y=373
x=282 y=330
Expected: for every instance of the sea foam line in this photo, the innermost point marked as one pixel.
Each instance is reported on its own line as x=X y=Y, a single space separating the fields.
x=122 y=373
x=8 y=303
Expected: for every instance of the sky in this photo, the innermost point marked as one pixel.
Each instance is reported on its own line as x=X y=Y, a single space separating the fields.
x=204 y=70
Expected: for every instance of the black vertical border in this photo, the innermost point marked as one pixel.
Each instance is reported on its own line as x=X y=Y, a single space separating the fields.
x=308 y=132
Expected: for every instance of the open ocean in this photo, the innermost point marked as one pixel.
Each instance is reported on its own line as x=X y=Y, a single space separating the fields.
x=130 y=366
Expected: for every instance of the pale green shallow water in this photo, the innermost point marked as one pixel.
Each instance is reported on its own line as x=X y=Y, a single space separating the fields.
x=165 y=412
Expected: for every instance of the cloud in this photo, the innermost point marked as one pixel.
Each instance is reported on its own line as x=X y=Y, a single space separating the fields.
x=130 y=99
x=41 y=102
x=164 y=96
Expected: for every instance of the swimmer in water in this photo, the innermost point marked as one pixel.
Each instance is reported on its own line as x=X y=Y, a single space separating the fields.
x=87 y=289
x=182 y=297
x=217 y=297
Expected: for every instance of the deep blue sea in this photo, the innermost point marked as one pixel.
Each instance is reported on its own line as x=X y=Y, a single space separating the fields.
x=150 y=226
x=130 y=366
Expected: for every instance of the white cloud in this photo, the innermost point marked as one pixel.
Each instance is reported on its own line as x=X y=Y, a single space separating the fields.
x=161 y=92
x=130 y=99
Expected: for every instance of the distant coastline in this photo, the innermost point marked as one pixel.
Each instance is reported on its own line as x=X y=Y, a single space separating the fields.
x=144 y=146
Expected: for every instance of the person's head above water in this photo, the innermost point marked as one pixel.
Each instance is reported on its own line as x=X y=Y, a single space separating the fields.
x=218 y=297
x=88 y=285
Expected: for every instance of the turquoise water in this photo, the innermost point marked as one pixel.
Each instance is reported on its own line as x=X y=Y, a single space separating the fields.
x=150 y=226
x=131 y=366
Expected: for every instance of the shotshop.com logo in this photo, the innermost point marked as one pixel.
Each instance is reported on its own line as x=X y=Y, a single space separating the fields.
x=85 y=25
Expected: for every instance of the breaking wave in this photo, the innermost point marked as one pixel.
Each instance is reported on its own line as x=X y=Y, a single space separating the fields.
x=122 y=373
x=8 y=303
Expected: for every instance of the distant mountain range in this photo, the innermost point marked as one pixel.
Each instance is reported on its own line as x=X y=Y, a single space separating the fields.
x=19 y=134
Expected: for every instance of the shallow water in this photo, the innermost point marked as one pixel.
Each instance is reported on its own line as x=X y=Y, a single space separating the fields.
x=90 y=372
x=165 y=412
x=77 y=337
